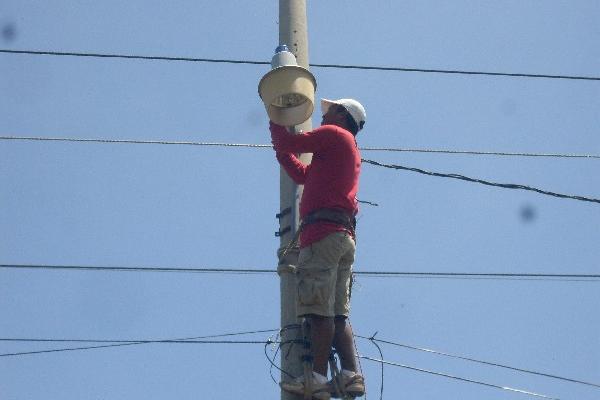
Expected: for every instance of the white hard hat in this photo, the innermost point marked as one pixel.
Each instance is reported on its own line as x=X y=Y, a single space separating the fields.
x=354 y=108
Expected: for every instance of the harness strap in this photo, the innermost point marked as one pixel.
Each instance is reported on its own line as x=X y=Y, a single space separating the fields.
x=332 y=215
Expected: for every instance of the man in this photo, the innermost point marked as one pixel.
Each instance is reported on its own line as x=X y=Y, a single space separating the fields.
x=327 y=240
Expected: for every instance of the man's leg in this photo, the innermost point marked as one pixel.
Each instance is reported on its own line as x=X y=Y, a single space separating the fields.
x=316 y=278
x=343 y=339
x=322 y=333
x=343 y=342
x=352 y=381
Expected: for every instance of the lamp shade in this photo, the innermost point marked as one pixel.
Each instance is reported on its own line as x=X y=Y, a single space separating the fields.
x=288 y=93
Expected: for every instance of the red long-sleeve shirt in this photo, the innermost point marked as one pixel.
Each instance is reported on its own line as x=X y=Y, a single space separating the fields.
x=330 y=181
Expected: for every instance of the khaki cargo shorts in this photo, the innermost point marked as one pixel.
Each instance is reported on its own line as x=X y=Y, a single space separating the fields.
x=323 y=276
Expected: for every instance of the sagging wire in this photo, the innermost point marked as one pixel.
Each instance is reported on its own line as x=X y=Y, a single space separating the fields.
x=399 y=167
x=270 y=341
x=483 y=182
x=280 y=343
x=372 y=340
x=369 y=203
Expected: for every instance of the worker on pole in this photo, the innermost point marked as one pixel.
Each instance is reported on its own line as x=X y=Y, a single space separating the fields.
x=327 y=238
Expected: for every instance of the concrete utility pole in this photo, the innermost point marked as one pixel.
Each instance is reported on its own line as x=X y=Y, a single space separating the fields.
x=293 y=33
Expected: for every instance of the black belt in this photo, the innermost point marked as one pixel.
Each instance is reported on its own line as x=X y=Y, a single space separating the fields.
x=332 y=215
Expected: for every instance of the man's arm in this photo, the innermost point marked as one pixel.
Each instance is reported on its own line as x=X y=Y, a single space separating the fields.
x=308 y=142
x=293 y=166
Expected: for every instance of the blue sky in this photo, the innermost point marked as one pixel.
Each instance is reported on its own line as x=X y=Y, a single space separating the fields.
x=184 y=206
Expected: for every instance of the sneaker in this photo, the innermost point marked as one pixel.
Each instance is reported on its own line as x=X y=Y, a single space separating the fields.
x=354 y=386
x=320 y=391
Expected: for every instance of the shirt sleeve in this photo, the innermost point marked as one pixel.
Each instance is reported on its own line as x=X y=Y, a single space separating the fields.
x=307 y=142
x=293 y=166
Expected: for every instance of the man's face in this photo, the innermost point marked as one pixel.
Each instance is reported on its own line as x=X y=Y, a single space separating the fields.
x=335 y=115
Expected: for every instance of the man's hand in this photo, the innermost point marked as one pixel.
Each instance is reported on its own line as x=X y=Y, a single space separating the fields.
x=277 y=131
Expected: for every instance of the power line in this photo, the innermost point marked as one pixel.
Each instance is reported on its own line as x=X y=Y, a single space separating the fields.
x=23 y=353
x=458 y=378
x=372 y=162
x=553 y=376
x=256 y=271
x=143 y=269
x=134 y=57
x=194 y=340
x=483 y=182
x=250 y=145
x=336 y=66
x=481 y=153
x=133 y=141
x=381 y=361
x=120 y=343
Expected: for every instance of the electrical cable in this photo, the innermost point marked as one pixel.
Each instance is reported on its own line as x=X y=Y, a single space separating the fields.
x=269 y=341
x=272 y=363
x=369 y=203
x=133 y=141
x=241 y=271
x=483 y=182
x=458 y=378
x=480 y=153
x=553 y=376
x=372 y=162
x=119 y=343
x=136 y=343
x=485 y=276
x=196 y=340
x=335 y=66
x=381 y=357
x=268 y=146
x=456 y=275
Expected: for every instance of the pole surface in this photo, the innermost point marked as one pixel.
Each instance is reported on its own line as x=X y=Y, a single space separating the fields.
x=293 y=33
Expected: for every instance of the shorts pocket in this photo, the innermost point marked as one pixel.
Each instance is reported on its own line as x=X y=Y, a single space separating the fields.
x=312 y=289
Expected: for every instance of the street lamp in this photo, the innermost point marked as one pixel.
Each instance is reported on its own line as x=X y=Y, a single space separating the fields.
x=288 y=90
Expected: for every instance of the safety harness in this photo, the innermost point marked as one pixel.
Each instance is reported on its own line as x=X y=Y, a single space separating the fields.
x=332 y=215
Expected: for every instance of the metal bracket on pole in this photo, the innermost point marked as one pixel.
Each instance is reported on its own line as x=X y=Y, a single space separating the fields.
x=283 y=213
x=283 y=231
